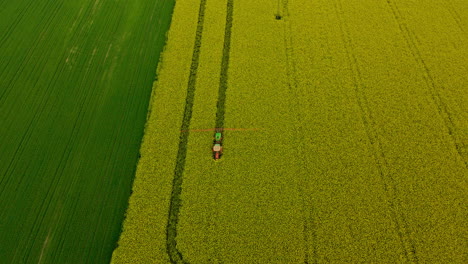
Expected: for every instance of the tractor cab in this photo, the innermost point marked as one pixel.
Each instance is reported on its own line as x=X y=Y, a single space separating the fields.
x=218 y=136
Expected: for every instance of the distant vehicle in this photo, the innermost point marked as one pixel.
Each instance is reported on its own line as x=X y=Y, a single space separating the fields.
x=218 y=145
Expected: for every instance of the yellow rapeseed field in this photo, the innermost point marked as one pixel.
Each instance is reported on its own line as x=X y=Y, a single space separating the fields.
x=350 y=140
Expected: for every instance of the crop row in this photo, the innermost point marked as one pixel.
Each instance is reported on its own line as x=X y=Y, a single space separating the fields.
x=75 y=80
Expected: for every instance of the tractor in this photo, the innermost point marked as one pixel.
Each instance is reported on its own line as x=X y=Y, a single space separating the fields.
x=218 y=145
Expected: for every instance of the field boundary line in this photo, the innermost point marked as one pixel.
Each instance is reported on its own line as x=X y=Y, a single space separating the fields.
x=175 y=255
x=388 y=181
x=291 y=72
x=441 y=106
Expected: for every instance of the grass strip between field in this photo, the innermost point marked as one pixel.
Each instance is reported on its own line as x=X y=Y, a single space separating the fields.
x=174 y=255
x=223 y=79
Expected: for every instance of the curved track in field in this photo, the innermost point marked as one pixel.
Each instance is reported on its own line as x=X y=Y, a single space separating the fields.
x=171 y=230
x=175 y=203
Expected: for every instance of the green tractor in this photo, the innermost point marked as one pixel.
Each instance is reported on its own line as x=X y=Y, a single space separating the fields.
x=217 y=144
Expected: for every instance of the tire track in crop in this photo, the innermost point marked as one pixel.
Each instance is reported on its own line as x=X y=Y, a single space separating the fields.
x=14 y=24
x=25 y=137
x=41 y=112
x=410 y=39
x=388 y=181
x=29 y=64
x=223 y=78
x=27 y=57
x=55 y=181
x=38 y=111
x=5 y=63
x=175 y=255
x=291 y=71
x=48 y=201
x=456 y=17
x=86 y=106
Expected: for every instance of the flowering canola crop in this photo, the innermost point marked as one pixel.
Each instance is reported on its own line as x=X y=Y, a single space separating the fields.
x=359 y=147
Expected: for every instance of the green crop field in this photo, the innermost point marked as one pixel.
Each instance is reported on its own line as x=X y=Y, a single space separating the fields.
x=75 y=85
x=345 y=135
